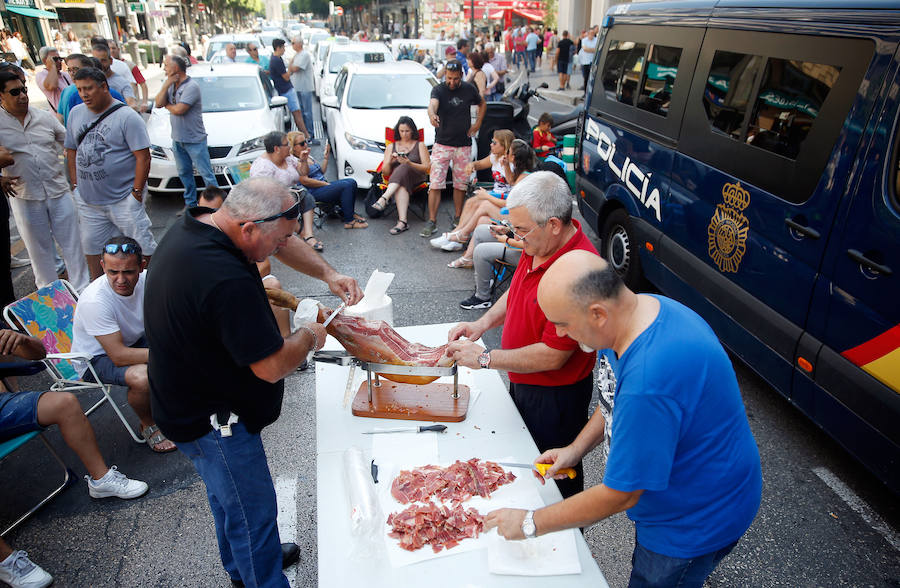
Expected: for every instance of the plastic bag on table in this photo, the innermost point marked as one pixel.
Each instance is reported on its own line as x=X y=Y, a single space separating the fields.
x=366 y=520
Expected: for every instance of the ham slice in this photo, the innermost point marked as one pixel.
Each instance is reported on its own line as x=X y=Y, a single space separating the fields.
x=374 y=341
x=456 y=483
x=439 y=526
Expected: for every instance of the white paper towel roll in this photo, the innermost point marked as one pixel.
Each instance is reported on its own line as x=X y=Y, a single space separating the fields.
x=376 y=304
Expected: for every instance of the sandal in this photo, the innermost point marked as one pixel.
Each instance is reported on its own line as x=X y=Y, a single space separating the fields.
x=461 y=263
x=380 y=208
x=400 y=227
x=316 y=244
x=357 y=223
x=154 y=438
x=457 y=237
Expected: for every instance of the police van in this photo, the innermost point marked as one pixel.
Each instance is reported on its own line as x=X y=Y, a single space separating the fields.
x=742 y=157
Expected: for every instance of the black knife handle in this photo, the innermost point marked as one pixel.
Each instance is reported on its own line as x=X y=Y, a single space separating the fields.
x=435 y=428
x=374 y=472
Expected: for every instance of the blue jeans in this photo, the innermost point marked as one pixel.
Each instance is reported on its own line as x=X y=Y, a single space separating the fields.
x=341 y=192
x=654 y=570
x=306 y=109
x=530 y=55
x=242 y=499
x=187 y=157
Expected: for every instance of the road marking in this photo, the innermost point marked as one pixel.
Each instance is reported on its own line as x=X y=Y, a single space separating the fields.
x=286 y=499
x=859 y=506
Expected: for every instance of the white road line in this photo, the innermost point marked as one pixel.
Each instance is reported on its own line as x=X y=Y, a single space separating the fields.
x=859 y=506
x=286 y=499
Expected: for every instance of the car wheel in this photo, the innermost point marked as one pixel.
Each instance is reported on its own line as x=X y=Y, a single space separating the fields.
x=620 y=248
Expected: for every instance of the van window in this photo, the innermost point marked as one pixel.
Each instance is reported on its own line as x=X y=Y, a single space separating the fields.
x=622 y=70
x=783 y=110
x=659 y=81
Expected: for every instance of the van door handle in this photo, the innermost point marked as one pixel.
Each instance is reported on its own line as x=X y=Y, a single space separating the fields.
x=866 y=262
x=802 y=229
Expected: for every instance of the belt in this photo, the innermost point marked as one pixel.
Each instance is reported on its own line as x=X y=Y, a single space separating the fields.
x=222 y=421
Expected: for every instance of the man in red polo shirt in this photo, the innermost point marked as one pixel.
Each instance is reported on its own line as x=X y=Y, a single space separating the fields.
x=551 y=378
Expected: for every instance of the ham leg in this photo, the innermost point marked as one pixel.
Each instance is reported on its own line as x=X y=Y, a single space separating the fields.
x=374 y=341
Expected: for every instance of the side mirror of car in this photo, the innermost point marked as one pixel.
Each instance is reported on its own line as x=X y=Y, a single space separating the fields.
x=278 y=101
x=329 y=101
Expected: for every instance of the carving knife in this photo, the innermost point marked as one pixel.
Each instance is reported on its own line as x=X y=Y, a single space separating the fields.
x=435 y=428
x=540 y=467
x=334 y=314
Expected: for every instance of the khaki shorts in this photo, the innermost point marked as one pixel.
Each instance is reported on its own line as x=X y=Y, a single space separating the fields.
x=101 y=223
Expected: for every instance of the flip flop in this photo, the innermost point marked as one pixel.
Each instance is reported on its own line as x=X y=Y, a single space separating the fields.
x=399 y=229
x=155 y=438
x=316 y=244
x=356 y=223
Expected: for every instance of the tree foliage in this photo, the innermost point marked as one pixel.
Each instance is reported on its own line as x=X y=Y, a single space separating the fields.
x=551 y=13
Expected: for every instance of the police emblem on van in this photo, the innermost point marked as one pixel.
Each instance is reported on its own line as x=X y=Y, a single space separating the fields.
x=728 y=228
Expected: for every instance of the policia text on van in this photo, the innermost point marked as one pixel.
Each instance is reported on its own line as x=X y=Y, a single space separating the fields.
x=753 y=176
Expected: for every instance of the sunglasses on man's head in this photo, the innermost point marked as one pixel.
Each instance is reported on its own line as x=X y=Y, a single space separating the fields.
x=290 y=214
x=17 y=91
x=126 y=248
x=57 y=58
x=453 y=66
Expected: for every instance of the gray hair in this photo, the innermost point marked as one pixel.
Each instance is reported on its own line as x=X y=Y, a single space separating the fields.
x=256 y=198
x=545 y=195
x=298 y=39
x=44 y=51
x=488 y=46
x=178 y=51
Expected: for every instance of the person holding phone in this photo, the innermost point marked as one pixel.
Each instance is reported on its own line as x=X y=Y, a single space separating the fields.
x=406 y=162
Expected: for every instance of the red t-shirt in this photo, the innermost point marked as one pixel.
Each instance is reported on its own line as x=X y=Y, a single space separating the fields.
x=526 y=324
x=138 y=76
x=539 y=139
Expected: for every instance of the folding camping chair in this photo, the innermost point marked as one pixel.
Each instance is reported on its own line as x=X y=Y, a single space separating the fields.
x=9 y=446
x=48 y=315
x=380 y=181
x=503 y=270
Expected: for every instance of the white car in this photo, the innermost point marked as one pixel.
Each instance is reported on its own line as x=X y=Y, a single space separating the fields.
x=240 y=105
x=339 y=54
x=369 y=98
x=218 y=43
x=320 y=50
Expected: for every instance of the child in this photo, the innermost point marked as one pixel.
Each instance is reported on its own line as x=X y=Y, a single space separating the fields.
x=542 y=140
x=212 y=197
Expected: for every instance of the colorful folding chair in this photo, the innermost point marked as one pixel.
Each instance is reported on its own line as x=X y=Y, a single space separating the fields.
x=48 y=315
x=381 y=181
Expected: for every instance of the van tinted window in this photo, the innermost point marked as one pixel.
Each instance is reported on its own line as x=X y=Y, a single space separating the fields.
x=782 y=110
x=659 y=81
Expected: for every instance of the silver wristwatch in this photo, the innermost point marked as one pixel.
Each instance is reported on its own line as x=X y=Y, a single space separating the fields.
x=484 y=360
x=528 y=528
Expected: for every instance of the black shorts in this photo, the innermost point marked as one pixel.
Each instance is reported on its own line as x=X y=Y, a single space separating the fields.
x=562 y=67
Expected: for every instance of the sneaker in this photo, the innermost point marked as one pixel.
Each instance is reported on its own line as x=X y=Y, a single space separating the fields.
x=114 y=483
x=429 y=230
x=453 y=246
x=439 y=242
x=474 y=303
x=313 y=142
x=20 y=572
x=15 y=262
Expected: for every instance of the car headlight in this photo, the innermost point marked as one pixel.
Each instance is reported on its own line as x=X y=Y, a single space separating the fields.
x=362 y=144
x=158 y=152
x=251 y=145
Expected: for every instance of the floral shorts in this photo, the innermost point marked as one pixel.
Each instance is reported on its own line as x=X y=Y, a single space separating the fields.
x=441 y=158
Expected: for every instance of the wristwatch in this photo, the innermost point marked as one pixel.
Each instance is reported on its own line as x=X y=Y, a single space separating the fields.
x=528 y=528
x=484 y=360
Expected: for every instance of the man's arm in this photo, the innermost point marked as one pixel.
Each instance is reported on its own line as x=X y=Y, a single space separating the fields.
x=21 y=345
x=284 y=362
x=537 y=357
x=482 y=108
x=162 y=97
x=141 y=168
x=433 y=105
x=178 y=109
x=303 y=258
x=121 y=354
x=70 y=163
x=52 y=79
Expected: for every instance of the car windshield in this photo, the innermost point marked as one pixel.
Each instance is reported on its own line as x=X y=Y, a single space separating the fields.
x=226 y=93
x=215 y=46
x=267 y=38
x=339 y=58
x=390 y=91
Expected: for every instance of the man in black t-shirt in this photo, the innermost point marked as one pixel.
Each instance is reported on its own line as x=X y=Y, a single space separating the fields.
x=217 y=363
x=564 y=50
x=449 y=113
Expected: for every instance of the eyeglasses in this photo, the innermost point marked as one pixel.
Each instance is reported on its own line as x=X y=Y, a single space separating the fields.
x=252 y=49
x=520 y=237
x=17 y=91
x=126 y=248
x=57 y=58
x=290 y=214
x=300 y=144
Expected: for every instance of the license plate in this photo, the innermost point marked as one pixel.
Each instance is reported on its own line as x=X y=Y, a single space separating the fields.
x=220 y=169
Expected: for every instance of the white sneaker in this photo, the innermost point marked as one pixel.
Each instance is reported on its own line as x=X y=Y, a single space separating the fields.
x=20 y=572
x=114 y=483
x=439 y=242
x=453 y=246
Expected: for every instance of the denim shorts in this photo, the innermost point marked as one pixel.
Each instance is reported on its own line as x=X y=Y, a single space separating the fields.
x=293 y=102
x=109 y=372
x=18 y=413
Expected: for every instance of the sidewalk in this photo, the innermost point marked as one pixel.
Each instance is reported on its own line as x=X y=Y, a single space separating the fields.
x=548 y=75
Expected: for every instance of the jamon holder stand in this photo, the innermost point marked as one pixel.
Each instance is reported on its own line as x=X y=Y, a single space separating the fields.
x=381 y=398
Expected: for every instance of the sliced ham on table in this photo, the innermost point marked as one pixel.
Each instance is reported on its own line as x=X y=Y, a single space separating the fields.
x=455 y=483
x=439 y=526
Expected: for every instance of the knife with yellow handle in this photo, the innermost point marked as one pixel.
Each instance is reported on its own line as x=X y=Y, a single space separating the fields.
x=541 y=468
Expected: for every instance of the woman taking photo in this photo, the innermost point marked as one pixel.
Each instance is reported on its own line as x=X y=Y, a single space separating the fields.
x=406 y=162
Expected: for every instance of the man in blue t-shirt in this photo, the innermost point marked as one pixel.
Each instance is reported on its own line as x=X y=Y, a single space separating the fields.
x=282 y=80
x=682 y=460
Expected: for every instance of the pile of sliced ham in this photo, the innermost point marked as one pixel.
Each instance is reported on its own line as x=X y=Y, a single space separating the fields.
x=456 y=483
x=439 y=526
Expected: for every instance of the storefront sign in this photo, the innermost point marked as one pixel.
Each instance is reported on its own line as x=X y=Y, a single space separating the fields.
x=22 y=3
x=136 y=7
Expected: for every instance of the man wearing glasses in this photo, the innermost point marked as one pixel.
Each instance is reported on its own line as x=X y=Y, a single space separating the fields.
x=52 y=80
x=253 y=56
x=180 y=95
x=41 y=201
x=218 y=360
x=551 y=379
x=69 y=98
x=449 y=112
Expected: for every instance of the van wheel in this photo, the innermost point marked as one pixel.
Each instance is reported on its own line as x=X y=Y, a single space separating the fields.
x=619 y=248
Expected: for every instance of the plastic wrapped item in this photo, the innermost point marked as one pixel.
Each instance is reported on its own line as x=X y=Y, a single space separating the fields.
x=366 y=520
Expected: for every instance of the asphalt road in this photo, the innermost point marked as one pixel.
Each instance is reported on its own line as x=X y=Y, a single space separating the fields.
x=824 y=521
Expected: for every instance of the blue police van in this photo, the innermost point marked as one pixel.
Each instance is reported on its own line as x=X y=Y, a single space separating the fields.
x=742 y=157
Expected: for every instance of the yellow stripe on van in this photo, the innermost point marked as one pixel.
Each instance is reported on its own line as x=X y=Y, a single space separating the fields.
x=886 y=369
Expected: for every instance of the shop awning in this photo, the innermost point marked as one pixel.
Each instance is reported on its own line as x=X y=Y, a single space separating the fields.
x=530 y=15
x=32 y=12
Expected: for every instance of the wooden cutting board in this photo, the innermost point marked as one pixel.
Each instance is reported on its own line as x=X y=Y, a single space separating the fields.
x=429 y=402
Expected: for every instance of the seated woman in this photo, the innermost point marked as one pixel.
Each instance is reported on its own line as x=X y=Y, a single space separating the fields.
x=278 y=164
x=406 y=162
x=500 y=172
x=312 y=177
x=490 y=243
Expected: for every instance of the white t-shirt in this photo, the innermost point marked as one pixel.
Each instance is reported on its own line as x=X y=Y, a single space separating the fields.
x=498 y=174
x=121 y=68
x=100 y=311
x=585 y=58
